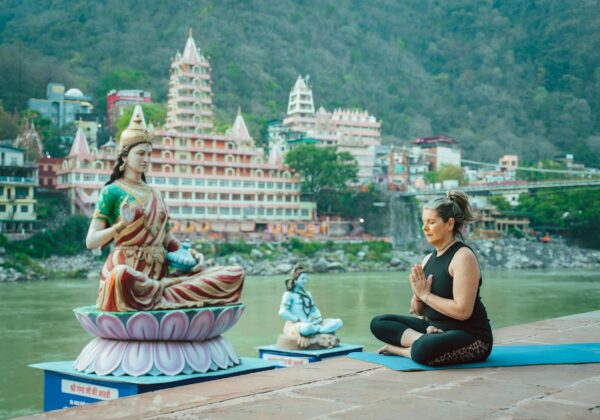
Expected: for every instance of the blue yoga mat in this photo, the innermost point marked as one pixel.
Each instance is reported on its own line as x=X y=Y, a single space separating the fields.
x=538 y=354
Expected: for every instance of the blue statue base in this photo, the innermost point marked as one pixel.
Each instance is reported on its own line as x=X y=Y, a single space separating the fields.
x=66 y=387
x=287 y=358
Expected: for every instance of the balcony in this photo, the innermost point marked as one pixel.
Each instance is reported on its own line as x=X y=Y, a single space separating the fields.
x=18 y=180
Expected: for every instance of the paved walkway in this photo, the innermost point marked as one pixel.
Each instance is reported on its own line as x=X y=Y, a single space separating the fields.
x=345 y=388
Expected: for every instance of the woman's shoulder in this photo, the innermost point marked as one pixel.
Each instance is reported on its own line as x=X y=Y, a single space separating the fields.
x=464 y=251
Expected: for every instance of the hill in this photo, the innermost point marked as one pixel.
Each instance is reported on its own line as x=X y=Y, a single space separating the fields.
x=500 y=76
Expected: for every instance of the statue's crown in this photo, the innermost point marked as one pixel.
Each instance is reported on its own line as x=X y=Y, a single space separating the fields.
x=136 y=132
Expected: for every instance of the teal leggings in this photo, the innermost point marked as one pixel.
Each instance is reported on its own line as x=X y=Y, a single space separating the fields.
x=446 y=348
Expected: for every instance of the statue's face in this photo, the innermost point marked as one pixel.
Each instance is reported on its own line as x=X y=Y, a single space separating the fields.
x=302 y=280
x=138 y=158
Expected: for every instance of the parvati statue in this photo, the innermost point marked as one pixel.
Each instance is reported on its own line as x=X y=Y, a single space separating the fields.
x=305 y=327
x=132 y=214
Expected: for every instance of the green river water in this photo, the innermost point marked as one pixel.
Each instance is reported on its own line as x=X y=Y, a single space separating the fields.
x=38 y=324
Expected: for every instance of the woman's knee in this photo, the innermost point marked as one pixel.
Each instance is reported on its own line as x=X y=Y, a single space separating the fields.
x=375 y=324
x=422 y=351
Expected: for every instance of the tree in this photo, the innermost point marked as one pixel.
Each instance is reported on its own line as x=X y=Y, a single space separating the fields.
x=325 y=172
x=444 y=173
x=153 y=113
x=500 y=202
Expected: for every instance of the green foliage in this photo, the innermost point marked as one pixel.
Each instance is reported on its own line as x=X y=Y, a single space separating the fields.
x=68 y=239
x=500 y=202
x=8 y=125
x=227 y=248
x=577 y=209
x=444 y=173
x=499 y=76
x=153 y=114
x=325 y=173
x=542 y=176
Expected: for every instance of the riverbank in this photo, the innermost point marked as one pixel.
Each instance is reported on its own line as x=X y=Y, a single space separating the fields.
x=278 y=259
x=346 y=388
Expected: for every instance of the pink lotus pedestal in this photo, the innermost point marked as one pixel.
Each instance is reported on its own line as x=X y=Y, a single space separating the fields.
x=169 y=342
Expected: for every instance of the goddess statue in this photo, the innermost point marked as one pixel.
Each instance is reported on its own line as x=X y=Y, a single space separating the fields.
x=305 y=326
x=132 y=214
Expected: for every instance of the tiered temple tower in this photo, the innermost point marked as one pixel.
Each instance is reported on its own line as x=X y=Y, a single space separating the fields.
x=214 y=184
x=190 y=92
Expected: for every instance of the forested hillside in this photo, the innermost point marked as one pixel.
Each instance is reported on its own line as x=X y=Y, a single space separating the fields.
x=500 y=76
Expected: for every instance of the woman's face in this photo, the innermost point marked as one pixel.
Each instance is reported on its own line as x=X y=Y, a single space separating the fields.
x=138 y=158
x=436 y=230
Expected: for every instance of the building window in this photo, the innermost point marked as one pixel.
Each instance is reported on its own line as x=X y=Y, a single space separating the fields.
x=24 y=209
x=199 y=182
x=224 y=183
x=187 y=210
x=236 y=184
x=173 y=181
x=236 y=211
x=174 y=210
x=2 y=208
x=288 y=212
x=279 y=212
x=212 y=183
x=186 y=181
x=212 y=210
x=199 y=210
x=173 y=194
x=200 y=196
x=269 y=212
x=304 y=212
x=89 y=177
x=21 y=192
x=249 y=211
x=249 y=184
x=224 y=211
x=160 y=180
x=261 y=211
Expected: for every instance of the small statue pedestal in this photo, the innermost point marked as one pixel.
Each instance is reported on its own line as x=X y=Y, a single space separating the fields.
x=288 y=358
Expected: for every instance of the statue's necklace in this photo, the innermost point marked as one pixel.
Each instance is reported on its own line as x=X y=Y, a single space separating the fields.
x=306 y=302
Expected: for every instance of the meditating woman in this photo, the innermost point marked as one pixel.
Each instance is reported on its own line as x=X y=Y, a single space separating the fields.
x=453 y=327
x=130 y=212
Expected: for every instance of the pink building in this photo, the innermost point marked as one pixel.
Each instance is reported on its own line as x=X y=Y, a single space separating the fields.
x=213 y=184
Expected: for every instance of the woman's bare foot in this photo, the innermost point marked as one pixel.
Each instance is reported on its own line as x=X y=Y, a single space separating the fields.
x=398 y=351
x=433 y=330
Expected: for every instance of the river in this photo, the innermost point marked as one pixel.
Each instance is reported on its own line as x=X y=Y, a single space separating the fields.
x=38 y=324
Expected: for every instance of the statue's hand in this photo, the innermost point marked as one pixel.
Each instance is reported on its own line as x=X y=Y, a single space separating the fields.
x=128 y=211
x=316 y=320
x=200 y=258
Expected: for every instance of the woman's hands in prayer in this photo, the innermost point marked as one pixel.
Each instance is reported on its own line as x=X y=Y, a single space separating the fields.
x=421 y=286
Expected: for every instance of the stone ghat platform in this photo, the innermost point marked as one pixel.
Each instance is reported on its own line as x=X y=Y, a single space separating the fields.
x=345 y=388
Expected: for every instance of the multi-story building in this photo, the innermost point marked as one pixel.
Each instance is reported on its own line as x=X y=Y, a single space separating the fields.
x=214 y=184
x=351 y=130
x=117 y=101
x=437 y=151
x=18 y=179
x=62 y=107
x=47 y=169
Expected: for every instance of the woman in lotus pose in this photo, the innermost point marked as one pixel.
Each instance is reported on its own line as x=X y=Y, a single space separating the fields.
x=130 y=212
x=453 y=327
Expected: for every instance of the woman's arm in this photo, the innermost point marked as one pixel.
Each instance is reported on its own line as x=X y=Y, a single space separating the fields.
x=99 y=235
x=464 y=268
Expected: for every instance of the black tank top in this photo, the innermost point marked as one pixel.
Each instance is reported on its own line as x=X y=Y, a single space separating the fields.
x=478 y=324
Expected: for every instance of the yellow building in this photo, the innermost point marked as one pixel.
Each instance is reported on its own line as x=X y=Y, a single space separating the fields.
x=18 y=179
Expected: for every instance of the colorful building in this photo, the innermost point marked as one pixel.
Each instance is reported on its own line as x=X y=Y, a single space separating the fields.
x=351 y=130
x=437 y=151
x=47 y=169
x=18 y=179
x=214 y=184
x=117 y=101
x=62 y=107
